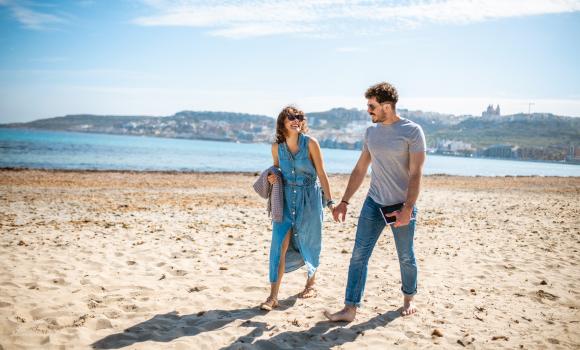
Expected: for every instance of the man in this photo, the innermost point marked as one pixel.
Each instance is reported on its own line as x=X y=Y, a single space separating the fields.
x=396 y=149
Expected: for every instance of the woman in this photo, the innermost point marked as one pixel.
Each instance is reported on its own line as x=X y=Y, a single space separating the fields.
x=296 y=240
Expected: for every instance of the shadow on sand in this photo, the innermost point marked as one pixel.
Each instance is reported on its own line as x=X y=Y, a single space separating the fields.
x=170 y=326
x=323 y=335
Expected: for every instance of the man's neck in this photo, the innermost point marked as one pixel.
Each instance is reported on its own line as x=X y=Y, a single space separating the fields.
x=391 y=119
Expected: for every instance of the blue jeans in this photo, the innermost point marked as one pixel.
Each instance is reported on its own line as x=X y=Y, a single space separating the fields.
x=370 y=226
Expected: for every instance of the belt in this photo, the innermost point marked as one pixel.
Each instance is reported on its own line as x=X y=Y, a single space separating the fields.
x=306 y=183
x=299 y=185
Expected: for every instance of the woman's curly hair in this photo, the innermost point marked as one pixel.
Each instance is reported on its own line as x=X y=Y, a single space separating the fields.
x=281 y=129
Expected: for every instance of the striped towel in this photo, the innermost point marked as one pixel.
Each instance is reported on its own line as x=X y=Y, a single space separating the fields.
x=274 y=193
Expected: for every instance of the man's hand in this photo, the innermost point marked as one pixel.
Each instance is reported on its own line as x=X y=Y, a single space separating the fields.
x=403 y=216
x=339 y=210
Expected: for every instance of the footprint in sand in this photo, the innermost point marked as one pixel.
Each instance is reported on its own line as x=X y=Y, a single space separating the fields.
x=130 y=307
x=112 y=314
x=101 y=323
x=196 y=289
x=94 y=303
x=59 y=281
x=32 y=286
x=178 y=272
x=545 y=295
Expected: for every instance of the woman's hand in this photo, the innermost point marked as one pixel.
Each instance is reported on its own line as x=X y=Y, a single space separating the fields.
x=272 y=179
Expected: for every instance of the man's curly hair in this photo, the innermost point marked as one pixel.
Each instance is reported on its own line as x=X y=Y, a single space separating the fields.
x=383 y=92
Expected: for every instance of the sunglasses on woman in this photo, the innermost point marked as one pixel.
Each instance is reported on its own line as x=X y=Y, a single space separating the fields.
x=294 y=117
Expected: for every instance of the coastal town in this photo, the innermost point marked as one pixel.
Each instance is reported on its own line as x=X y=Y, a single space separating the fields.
x=537 y=136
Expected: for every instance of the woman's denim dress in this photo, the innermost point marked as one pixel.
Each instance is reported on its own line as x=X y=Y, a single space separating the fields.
x=302 y=212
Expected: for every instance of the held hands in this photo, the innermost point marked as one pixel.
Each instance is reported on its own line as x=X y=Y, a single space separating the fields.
x=338 y=211
x=329 y=204
x=272 y=179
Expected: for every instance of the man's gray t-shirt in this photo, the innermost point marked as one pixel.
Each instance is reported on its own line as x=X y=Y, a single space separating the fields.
x=389 y=146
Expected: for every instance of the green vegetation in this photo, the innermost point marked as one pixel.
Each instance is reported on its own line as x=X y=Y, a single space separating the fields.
x=536 y=136
x=538 y=130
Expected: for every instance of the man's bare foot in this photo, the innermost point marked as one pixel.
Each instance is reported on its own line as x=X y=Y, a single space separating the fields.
x=270 y=304
x=308 y=292
x=347 y=314
x=409 y=307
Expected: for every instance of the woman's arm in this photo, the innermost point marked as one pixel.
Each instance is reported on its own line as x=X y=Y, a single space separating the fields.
x=316 y=157
x=272 y=178
x=275 y=160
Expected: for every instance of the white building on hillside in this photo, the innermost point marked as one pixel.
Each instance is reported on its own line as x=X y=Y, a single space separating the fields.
x=491 y=112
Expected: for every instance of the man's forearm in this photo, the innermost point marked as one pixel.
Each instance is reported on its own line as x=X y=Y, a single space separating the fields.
x=354 y=182
x=413 y=190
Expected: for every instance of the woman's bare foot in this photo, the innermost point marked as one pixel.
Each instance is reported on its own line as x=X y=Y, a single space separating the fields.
x=348 y=313
x=270 y=304
x=409 y=307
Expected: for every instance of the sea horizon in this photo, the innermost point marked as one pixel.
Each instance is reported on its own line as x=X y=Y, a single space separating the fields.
x=24 y=148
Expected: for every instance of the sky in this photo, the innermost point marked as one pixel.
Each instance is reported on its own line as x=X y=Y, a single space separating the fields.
x=158 y=57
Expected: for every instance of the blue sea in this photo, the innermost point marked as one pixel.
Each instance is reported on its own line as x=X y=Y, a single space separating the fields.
x=22 y=148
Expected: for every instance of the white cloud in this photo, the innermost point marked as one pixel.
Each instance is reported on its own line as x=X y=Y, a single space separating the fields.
x=230 y=18
x=29 y=17
x=234 y=20
x=461 y=11
x=264 y=29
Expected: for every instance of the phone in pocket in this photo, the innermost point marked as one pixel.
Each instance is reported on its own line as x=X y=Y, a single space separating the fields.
x=389 y=220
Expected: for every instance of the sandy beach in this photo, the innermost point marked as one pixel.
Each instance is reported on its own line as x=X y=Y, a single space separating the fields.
x=180 y=261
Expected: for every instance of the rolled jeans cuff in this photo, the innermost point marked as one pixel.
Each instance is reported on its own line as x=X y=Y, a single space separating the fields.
x=352 y=303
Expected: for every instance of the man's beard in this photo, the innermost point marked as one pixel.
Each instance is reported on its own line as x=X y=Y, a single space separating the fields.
x=375 y=119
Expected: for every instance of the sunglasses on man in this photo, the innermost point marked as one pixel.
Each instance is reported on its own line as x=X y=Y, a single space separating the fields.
x=373 y=107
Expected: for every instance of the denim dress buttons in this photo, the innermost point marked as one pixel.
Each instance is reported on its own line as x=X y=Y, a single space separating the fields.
x=303 y=212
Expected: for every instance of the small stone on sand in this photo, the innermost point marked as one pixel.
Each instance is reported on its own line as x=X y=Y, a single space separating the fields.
x=437 y=333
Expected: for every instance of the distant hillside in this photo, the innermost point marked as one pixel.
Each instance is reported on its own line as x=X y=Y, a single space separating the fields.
x=521 y=136
x=222 y=126
x=539 y=136
x=536 y=130
x=338 y=118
